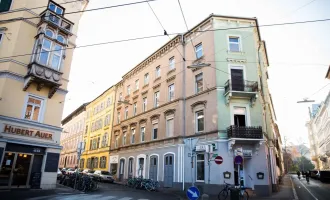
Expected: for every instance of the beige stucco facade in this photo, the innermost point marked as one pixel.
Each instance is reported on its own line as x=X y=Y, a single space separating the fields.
x=33 y=86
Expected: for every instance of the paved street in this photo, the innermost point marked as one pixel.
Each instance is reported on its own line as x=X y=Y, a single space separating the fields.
x=105 y=192
x=314 y=190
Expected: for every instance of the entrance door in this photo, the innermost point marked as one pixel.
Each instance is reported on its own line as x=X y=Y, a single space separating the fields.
x=130 y=168
x=237 y=79
x=168 y=170
x=21 y=170
x=6 y=169
x=121 y=169
x=153 y=168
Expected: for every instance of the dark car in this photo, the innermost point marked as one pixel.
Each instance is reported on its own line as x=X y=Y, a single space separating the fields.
x=103 y=176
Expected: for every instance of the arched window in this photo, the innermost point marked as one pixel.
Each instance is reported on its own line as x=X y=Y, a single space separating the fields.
x=49 y=33
x=61 y=39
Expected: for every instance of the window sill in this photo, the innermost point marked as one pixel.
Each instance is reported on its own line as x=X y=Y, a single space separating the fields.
x=171 y=71
x=200 y=181
x=236 y=52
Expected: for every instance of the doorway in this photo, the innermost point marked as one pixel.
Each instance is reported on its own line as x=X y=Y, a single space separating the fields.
x=153 y=168
x=240 y=116
x=121 y=169
x=15 y=169
x=237 y=79
x=168 y=170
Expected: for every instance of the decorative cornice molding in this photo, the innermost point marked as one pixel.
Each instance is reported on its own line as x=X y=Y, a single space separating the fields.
x=142 y=121
x=236 y=60
x=156 y=86
x=171 y=78
x=132 y=124
x=124 y=127
x=169 y=111
x=135 y=97
x=155 y=116
x=144 y=92
x=198 y=103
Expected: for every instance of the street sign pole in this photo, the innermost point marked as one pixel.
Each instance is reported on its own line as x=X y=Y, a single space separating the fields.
x=80 y=149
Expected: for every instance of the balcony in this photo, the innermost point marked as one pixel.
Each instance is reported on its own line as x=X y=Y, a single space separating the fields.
x=241 y=89
x=42 y=76
x=57 y=21
x=247 y=132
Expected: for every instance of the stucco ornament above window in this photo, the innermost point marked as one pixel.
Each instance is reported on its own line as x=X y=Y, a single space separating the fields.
x=169 y=112
x=202 y=103
x=143 y=121
x=154 y=117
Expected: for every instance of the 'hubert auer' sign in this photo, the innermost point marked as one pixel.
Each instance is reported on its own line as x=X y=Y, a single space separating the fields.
x=27 y=132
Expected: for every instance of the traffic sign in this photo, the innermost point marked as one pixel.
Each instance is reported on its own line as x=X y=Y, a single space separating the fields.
x=218 y=160
x=238 y=160
x=193 y=193
x=215 y=155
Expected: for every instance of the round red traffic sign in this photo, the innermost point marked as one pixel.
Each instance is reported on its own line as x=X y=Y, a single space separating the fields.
x=218 y=160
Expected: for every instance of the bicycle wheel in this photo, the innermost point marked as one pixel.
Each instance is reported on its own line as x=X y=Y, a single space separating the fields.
x=244 y=196
x=222 y=195
x=148 y=187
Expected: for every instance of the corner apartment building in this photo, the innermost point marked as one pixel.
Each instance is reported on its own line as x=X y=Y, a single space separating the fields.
x=73 y=130
x=319 y=134
x=34 y=73
x=208 y=87
x=98 y=128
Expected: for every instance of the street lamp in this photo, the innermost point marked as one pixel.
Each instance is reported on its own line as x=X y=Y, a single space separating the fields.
x=305 y=100
x=199 y=65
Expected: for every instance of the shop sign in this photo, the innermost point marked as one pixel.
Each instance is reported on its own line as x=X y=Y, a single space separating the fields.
x=113 y=159
x=28 y=132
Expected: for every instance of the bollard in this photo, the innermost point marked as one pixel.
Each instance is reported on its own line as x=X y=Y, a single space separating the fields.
x=205 y=197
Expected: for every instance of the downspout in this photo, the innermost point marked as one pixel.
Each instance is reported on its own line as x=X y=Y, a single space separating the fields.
x=184 y=106
x=112 y=132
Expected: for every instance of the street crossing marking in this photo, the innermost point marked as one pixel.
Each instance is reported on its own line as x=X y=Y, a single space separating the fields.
x=125 y=198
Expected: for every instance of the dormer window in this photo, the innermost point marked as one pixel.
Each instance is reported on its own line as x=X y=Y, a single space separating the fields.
x=55 y=8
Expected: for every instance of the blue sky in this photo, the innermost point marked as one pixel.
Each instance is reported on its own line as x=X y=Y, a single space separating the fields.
x=298 y=54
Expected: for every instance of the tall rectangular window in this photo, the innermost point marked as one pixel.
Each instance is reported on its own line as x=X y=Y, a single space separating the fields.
x=169 y=127
x=126 y=112
x=33 y=108
x=132 y=136
x=118 y=117
x=142 y=133
x=134 y=108
x=128 y=90
x=5 y=5
x=146 y=78
x=200 y=171
x=199 y=121
x=137 y=84
x=157 y=73
x=154 y=131
x=234 y=44
x=144 y=104
x=171 y=63
x=116 y=141
x=156 y=99
x=199 y=50
x=171 y=92
x=120 y=96
x=51 y=54
x=199 y=82
x=124 y=138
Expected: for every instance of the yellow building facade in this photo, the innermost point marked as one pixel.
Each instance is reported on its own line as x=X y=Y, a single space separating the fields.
x=98 y=127
x=36 y=49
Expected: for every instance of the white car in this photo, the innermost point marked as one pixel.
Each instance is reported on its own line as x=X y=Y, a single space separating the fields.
x=103 y=176
x=88 y=172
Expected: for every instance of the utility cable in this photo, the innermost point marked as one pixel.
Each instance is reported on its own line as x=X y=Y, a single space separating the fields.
x=318 y=90
x=165 y=32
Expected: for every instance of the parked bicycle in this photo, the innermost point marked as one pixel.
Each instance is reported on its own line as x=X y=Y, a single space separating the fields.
x=80 y=182
x=140 y=183
x=223 y=194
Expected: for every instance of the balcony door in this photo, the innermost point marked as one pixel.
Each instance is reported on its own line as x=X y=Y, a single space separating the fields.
x=237 y=78
x=240 y=116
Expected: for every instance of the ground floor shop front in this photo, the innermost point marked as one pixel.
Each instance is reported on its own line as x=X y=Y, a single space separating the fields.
x=95 y=160
x=29 y=154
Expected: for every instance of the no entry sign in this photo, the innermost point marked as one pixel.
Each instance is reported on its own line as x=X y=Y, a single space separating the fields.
x=218 y=160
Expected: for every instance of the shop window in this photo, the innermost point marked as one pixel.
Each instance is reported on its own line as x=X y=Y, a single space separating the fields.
x=200 y=176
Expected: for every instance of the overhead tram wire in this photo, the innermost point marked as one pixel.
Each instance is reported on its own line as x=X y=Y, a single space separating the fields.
x=22 y=9
x=165 y=32
x=154 y=36
x=83 y=11
x=318 y=90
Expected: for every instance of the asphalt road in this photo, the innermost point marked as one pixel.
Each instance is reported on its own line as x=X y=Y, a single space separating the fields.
x=314 y=190
x=106 y=191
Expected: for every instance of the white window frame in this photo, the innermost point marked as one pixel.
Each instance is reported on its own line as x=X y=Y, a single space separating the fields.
x=120 y=96
x=197 y=50
x=134 y=108
x=118 y=117
x=137 y=84
x=42 y=106
x=126 y=113
x=128 y=90
x=197 y=169
x=156 y=99
x=168 y=118
x=133 y=136
x=51 y=52
x=171 y=63
x=144 y=133
x=171 y=97
x=146 y=79
x=239 y=42
x=144 y=104
x=116 y=141
x=157 y=72
x=124 y=138
x=196 y=86
x=196 y=121
x=152 y=131
x=247 y=109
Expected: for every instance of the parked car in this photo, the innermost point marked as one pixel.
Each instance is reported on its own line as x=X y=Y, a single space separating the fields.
x=59 y=174
x=88 y=172
x=103 y=176
x=70 y=171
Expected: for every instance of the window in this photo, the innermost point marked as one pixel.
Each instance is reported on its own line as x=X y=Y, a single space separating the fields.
x=199 y=121
x=5 y=5
x=156 y=99
x=49 y=33
x=55 y=8
x=234 y=44
x=199 y=50
x=200 y=167
x=157 y=72
x=134 y=108
x=124 y=138
x=126 y=112
x=199 y=82
x=118 y=117
x=95 y=162
x=105 y=140
x=116 y=142
x=130 y=167
x=172 y=63
x=98 y=142
x=103 y=161
x=154 y=131
x=132 y=136
x=142 y=133
x=171 y=92
x=120 y=96
x=33 y=109
x=51 y=54
x=144 y=104
x=128 y=90
x=137 y=84
x=109 y=102
x=146 y=79
x=239 y=116
x=1 y=37
x=169 y=127
x=61 y=39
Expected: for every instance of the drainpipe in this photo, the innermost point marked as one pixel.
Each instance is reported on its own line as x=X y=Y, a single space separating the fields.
x=112 y=132
x=183 y=103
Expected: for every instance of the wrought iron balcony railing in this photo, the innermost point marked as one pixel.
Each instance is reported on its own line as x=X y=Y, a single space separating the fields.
x=241 y=86
x=58 y=20
x=251 y=132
